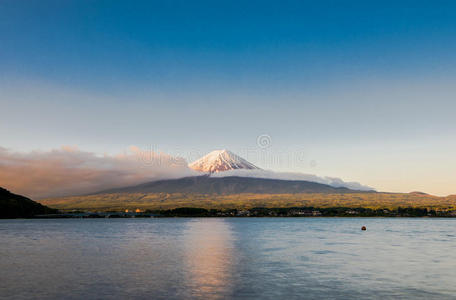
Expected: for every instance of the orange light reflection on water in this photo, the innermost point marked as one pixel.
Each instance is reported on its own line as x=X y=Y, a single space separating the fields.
x=209 y=258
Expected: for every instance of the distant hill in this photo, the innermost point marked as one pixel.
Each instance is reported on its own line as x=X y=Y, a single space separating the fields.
x=230 y=185
x=160 y=201
x=16 y=206
x=419 y=193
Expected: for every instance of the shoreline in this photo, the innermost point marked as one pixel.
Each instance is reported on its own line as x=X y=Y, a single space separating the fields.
x=260 y=212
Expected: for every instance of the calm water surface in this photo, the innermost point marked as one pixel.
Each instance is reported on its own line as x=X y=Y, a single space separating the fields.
x=264 y=258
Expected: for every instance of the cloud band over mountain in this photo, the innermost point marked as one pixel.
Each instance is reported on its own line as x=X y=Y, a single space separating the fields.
x=259 y=173
x=70 y=171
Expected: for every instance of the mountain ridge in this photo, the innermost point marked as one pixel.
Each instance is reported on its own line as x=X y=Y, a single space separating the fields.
x=206 y=184
x=17 y=206
x=214 y=166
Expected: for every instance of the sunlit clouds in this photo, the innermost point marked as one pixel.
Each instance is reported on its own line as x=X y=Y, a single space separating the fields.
x=70 y=171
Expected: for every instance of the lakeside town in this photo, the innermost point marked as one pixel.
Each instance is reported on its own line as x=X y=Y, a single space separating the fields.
x=259 y=212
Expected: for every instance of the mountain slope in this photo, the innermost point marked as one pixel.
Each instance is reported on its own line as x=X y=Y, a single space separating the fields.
x=16 y=206
x=219 y=161
x=229 y=185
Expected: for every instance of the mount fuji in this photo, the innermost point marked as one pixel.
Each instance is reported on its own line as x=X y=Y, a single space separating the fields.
x=223 y=172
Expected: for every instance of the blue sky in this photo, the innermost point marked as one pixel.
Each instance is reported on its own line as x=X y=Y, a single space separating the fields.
x=362 y=90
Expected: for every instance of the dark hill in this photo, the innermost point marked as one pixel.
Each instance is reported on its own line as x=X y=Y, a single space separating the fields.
x=229 y=185
x=16 y=206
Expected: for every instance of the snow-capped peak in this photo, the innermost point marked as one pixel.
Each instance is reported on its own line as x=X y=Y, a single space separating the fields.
x=219 y=161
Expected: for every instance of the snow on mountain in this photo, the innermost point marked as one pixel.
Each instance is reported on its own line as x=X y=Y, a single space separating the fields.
x=221 y=160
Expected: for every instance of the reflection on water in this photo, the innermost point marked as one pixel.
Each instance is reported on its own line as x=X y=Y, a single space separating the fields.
x=208 y=258
x=258 y=258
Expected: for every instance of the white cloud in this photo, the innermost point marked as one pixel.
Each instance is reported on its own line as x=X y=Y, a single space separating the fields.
x=332 y=181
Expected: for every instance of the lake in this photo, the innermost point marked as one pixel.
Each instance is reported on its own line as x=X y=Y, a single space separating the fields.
x=228 y=258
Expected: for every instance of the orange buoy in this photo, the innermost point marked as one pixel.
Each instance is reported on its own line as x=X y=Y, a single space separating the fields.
x=363 y=228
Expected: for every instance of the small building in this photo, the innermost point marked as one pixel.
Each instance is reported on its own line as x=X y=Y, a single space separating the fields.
x=243 y=213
